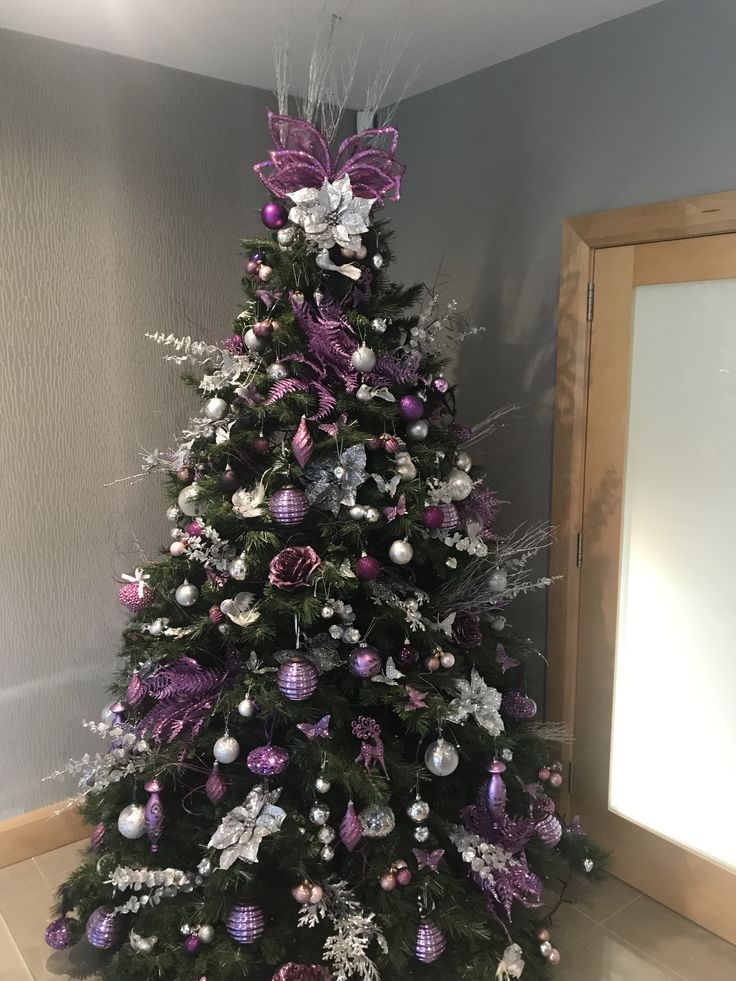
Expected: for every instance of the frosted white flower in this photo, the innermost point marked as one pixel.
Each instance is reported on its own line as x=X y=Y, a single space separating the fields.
x=250 y=503
x=331 y=215
x=478 y=699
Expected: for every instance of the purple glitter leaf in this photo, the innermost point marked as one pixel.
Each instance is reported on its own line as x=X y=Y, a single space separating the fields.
x=186 y=692
x=282 y=388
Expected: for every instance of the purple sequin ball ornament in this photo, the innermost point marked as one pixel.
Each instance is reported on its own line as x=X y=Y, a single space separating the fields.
x=246 y=924
x=104 y=928
x=58 y=934
x=274 y=215
x=97 y=837
x=440 y=385
x=430 y=943
x=192 y=945
x=518 y=707
x=411 y=407
x=367 y=568
x=549 y=831
x=450 y=516
x=364 y=661
x=297 y=678
x=288 y=506
x=267 y=761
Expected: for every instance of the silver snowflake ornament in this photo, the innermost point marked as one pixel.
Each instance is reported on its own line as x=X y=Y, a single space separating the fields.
x=331 y=215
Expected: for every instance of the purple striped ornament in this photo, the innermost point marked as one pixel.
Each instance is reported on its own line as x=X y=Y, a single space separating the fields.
x=215 y=788
x=58 y=934
x=450 y=517
x=549 y=831
x=104 y=928
x=246 y=924
x=267 y=761
x=289 y=506
x=430 y=943
x=154 y=814
x=351 y=830
x=97 y=837
x=297 y=678
x=518 y=707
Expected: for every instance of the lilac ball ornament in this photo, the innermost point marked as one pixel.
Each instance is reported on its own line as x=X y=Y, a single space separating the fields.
x=135 y=596
x=58 y=933
x=288 y=506
x=274 y=215
x=430 y=943
x=433 y=517
x=364 y=662
x=246 y=924
x=104 y=928
x=267 y=761
x=411 y=407
x=367 y=568
x=297 y=678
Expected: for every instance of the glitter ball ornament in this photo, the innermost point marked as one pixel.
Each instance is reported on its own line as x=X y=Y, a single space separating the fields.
x=215 y=788
x=246 y=708
x=441 y=758
x=519 y=707
x=322 y=785
x=135 y=596
x=407 y=655
x=97 y=837
x=246 y=924
x=274 y=215
x=188 y=501
x=267 y=761
x=132 y=822
x=459 y=485
x=364 y=662
x=411 y=407
x=186 y=594
x=327 y=853
x=58 y=933
x=430 y=943
x=289 y=506
x=226 y=749
x=216 y=409
x=297 y=678
x=104 y=928
x=238 y=568
x=367 y=568
x=302 y=892
x=351 y=830
x=326 y=835
x=285 y=236
x=319 y=814
x=206 y=933
x=277 y=371
x=364 y=358
x=377 y=820
x=401 y=552
x=433 y=517
x=463 y=461
x=418 y=810
x=421 y=833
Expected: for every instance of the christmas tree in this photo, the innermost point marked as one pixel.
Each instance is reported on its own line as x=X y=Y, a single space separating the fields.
x=322 y=761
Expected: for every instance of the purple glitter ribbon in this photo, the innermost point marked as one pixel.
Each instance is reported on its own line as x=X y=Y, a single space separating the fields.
x=301 y=158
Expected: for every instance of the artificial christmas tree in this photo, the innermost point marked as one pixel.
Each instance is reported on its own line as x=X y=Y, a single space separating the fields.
x=323 y=762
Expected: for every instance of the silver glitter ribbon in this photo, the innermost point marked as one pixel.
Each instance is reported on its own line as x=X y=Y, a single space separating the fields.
x=243 y=829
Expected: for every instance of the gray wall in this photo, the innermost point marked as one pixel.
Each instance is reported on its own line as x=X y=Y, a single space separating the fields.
x=124 y=188
x=637 y=110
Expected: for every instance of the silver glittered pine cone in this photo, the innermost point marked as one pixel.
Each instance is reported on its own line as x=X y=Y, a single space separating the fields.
x=246 y=923
x=430 y=943
x=104 y=928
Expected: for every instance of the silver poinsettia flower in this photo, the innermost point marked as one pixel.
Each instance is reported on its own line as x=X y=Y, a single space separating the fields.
x=331 y=215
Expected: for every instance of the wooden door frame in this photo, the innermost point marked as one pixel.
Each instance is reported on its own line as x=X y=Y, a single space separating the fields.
x=582 y=236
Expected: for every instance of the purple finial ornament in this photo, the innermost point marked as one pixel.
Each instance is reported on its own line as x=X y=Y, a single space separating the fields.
x=351 y=830
x=154 y=814
x=430 y=943
x=246 y=924
x=496 y=788
x=288 y=506
x=58 y=933
x=97 y=837
x=267 y=761
x=518 y=707
x=104 y=928
x=215 y=788
x=297 y=678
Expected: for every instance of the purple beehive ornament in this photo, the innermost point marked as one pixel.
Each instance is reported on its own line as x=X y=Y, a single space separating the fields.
x=518 y=707
x=549 y=831
x=297 y=678
x=154 y=814
x=58 y=934
x=97 y=837
x=496 y=789
x=430 y=943
x=267 y=761
x=450 y=517
x=246 y=924
x=104 y=928
x=288 y=506
x=215 y=788
x=351 y=830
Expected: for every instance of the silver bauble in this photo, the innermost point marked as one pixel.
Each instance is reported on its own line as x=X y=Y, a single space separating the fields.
x=498 y=581
x=319 y=813
x=441 y=758
x=418 y=810
x=588 y=864
x=377 y=261
x=277 y=371
x=172 y=514
x=401 y=552
x=357 y=512
x=247 y=708
x=285 y=235
x=206 y=933
x=185 y=929
x=421 y=833
x=188 y=501
x=363 y=358
x=328 y=853
x=463 y=461
x=205 y=867
x=186 y=594
x=326 y=835
x=237 y=569
x=226 y=749
x=132 y=821
x=459 y=485
x=322 y=785
x=417 y=431
x=216 y=409
x=253 y=342
x=377 y=820
x=372 y=515
x=141 y=945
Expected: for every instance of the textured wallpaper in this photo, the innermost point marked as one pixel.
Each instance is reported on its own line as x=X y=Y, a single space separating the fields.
x=124 y=188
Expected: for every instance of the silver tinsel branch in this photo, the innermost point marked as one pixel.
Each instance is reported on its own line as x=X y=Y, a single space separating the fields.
x=126 y=757
x=162 y=883
x=194 y=352
x=488 y=426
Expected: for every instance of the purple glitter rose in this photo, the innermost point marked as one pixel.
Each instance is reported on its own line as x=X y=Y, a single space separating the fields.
x=293 y=567
x=466 y=630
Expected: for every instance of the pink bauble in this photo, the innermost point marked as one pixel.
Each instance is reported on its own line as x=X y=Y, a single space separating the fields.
x=129 y=596
x=265 y=273
x=543 y=774
x=391 y=444
x=263 y=328
x=194 y=528
x=403 y=876
x=251 y=267
x=177 y=549
x=216 y=615
x=432 y=663
x=433 y=517
x=274 y=215
x=260 y=444
x=554 y=956
x=367 y=568
x=364 y=662
x=555 y=780
x=388 y=881
x=411 y=407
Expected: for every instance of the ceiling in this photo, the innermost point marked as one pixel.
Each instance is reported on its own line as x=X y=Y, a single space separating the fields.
x=233 y=39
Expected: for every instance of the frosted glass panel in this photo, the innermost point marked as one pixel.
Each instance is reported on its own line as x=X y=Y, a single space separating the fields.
x=673 y=756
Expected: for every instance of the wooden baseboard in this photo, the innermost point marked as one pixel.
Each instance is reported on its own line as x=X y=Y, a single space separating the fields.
x=39 y=831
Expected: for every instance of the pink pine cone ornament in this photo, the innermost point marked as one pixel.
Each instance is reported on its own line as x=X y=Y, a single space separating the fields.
x=293 y=567
x=302 y=972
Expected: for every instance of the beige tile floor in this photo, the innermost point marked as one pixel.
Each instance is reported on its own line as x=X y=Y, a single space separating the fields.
x=611 y=933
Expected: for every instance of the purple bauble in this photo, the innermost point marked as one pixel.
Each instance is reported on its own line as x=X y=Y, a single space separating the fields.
x=364 y=661
x=267 y=761
x=518 y=707
x=192 y=945
x=104 y=928
x=58 y=933
x=430 y=943
x=496 y=788
x=411 y=407
x=440 y=385
x=433 y=517
x=274 y=215
x=97 y=837
x=450 y=516
x=246 y=924
x=407 y=656
x=367 y=568
x=288 y=506
x=297 y=678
